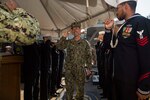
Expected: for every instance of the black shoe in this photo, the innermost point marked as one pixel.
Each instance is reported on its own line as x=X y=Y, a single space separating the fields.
x=53 y=95
x=98 y=87
x=57 y=94
x=101 y=94
x=59 y=87
x=103 y=97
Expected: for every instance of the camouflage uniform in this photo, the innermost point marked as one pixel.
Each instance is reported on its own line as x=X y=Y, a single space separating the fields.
x=78 y=54
x=18 y=26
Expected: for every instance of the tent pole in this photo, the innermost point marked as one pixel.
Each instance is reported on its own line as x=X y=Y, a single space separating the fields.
x=87 y=3
x=87 y=8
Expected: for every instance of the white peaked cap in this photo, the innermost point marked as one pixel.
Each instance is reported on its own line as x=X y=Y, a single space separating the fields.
x=114 y=3
x=101 y=32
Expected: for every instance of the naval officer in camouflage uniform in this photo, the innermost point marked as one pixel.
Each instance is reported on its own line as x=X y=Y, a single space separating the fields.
x=78 y=55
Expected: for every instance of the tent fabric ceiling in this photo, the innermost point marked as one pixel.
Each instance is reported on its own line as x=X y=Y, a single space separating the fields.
x=57 y=15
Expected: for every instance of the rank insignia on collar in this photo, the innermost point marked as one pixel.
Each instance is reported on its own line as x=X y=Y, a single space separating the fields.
x=140 y=34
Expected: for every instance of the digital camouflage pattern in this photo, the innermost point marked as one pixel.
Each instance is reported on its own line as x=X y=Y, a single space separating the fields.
x=78 y=52
x=18 y=26
x=78 y=55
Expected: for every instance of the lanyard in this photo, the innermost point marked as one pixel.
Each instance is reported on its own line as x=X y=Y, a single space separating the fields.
x=116 y=41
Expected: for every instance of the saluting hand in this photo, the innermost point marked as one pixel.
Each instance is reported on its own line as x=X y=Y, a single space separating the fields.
x=109 y=23
x=66 y=33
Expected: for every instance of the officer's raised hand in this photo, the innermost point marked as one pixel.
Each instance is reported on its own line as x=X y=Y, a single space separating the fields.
x=66 y=33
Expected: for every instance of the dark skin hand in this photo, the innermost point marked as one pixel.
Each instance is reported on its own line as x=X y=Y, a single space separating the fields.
x=142 y=97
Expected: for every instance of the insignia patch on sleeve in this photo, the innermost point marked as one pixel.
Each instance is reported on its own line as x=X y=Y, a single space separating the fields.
x=142 y=41
x=140 y=34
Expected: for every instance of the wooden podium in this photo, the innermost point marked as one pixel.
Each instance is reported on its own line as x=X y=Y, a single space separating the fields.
x=10 y=66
